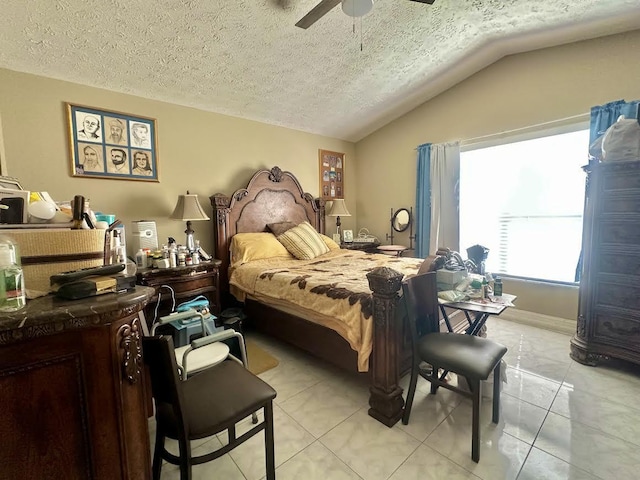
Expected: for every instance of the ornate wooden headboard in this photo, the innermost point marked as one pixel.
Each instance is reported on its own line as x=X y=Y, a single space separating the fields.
x=270 y=196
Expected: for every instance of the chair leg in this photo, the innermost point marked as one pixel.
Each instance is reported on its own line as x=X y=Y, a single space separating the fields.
x=497 y=378
x=475 y=435
x=185 y=459
x=268 y=442
x=434 y=374
x=410 y=394
x=157 y=454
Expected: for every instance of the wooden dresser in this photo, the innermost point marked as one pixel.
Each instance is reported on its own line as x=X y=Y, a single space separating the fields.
x=609 y=300
x=72 y=389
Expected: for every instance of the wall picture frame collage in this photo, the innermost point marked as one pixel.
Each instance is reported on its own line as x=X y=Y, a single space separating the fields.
x=332 y=166
x=109 y=144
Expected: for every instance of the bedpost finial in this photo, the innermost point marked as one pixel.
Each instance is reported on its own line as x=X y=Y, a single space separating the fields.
x=384 y=280
x=276 y=174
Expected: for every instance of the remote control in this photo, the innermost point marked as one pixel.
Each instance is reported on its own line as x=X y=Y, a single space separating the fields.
x=66 y=277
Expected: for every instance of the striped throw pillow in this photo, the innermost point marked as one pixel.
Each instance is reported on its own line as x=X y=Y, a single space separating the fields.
x=303 y=242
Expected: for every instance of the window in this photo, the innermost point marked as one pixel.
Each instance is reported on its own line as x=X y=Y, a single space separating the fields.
x=524 y=201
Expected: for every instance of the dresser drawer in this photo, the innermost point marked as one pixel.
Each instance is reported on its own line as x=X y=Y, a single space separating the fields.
x=617 y=294
x=616 y=232
x=616 y=263
x=623 y=180
x=616 y=329
x=620 y=204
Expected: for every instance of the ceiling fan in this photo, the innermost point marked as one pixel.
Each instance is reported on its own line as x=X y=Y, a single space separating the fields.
x=353 y=8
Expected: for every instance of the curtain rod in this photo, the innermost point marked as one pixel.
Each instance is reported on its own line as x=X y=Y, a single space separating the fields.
x=562 y=121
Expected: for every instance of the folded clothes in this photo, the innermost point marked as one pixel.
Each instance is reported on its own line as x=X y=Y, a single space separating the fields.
x=452 y=296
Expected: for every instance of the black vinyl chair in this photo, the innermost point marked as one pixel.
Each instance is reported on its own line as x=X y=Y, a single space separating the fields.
x=466 y=355
x=202 y=405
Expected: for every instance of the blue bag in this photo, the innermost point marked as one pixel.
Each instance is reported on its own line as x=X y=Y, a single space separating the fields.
x=187 y=327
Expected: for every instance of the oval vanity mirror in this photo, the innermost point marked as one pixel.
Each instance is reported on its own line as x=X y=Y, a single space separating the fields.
x=401 y=220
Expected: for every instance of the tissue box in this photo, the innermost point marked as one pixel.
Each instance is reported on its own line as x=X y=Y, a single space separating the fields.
x=448 y=279
x=47 y=251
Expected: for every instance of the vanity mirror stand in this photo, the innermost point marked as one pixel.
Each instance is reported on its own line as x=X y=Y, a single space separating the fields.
x=401 y=221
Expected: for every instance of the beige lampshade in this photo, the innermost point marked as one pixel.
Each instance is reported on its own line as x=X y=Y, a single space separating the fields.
x=338 y=209
x=188 y=208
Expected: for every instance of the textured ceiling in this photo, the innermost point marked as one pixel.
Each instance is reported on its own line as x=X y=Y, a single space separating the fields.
x=247 y=59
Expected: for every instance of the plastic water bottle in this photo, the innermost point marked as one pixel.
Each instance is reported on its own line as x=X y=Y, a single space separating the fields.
x=497 y=287
x=12 y=296
x=141 y=259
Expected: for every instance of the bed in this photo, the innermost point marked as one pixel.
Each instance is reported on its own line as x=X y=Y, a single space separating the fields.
x=274 y=196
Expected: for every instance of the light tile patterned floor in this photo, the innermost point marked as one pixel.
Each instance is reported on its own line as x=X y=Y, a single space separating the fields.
x=559 y=420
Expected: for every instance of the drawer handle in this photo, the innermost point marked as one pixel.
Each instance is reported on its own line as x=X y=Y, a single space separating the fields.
x=622 y=331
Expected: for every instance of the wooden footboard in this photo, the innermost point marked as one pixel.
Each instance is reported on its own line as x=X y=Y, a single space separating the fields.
x=391 y=348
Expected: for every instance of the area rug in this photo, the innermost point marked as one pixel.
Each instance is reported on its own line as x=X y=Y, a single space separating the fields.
x=259 y=360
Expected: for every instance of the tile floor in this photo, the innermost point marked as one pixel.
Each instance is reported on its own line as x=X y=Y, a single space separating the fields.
x=559 y=420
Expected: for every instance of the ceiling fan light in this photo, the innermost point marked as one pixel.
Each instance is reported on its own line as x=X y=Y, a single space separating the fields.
x=357 y=8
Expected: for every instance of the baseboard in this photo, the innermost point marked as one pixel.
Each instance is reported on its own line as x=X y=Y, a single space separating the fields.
x=547 y=322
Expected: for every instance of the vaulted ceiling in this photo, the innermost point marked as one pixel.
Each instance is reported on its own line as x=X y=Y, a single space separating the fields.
x=246 y=58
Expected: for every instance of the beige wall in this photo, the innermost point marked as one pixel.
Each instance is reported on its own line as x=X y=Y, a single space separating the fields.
x=203 y=152
x=515 y=92
x=208 y=153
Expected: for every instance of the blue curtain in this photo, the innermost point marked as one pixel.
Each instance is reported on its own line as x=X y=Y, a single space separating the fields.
x=602 y=117
x=423 y=201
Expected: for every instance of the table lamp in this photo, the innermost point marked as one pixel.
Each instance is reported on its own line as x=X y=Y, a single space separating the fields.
x=338 y=209
x=189 y=209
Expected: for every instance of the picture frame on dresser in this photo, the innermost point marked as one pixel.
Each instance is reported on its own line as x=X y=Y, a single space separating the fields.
x=111 y=144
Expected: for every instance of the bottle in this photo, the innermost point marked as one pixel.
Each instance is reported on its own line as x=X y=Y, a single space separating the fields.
x=78 y=211
x=173 y=255
x=141 y=259
x=115 y=247
x=497 y=287
x=12 y=295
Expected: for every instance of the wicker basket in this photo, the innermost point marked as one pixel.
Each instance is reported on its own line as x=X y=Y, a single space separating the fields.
x=47 y=251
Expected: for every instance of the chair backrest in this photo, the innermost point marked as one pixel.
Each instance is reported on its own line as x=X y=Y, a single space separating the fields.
x=420 y=295
x=158 y=352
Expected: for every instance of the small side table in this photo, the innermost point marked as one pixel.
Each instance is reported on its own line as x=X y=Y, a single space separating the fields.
x=187 y=283
x=395 y=250
x=369 y=247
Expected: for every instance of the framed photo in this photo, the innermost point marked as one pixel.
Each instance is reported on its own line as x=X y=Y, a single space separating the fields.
x=348 y=236
x=331 y=174
x=116 y=145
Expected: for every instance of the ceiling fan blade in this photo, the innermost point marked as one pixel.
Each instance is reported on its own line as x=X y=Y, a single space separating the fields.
x=316 y=13
x=430 y=2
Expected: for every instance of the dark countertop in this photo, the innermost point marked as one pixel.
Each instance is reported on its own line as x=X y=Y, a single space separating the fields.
x=49 y=315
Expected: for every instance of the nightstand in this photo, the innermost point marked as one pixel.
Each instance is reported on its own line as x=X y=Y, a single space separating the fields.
x=369 y=247
x=187 y=283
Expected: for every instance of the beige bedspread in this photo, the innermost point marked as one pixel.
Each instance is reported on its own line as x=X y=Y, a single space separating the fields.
x=334 y=284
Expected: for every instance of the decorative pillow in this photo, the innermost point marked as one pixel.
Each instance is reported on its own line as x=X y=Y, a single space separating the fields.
x=303 y=242
x=329 y=242
x=280 y=227
x=246 y=247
